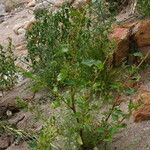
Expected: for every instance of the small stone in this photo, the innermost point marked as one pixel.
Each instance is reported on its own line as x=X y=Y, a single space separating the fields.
x=31 y=3
x=17 y=27
x=9 y=113
x=28 y=25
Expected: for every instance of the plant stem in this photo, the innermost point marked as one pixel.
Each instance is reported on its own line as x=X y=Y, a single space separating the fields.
x=83 y=146
x=113 y=106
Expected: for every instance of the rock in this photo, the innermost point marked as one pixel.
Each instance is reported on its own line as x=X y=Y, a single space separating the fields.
x=17 y=27
x=12 y=4
x=5 y=141
x=9 y=113
x=21 y=47
x=2 y=19
x=2 y=111
x=80 y=3
x=28 y=25
x=121 y=37
x=146 y=53
x=2 y=10
x=31 y=3
x=142 y=33
x=144 y=97
x=22 y=91
x=25 y=121
x=22 y=146
x=142 y=114
x=52 y=6
x=2 y=13
x=21 y=31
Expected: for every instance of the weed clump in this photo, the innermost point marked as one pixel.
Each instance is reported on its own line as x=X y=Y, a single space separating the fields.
x=144 y=7
x=70 y=53
x=7 y=67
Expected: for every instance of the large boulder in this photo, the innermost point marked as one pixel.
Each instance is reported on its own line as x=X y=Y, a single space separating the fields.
x=146 y=53
x=121 y=36
x=142 y=33
x=143 y=113
x=142 y=38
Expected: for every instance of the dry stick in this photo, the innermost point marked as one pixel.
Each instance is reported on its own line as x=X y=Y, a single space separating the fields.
x=18 y=132
x=148 y=53
x=113 y=106
x=134 y=7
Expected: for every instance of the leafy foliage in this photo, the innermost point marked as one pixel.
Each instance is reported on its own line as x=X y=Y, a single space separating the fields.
x=7 y=67
x=71 y=56
x=144 y=7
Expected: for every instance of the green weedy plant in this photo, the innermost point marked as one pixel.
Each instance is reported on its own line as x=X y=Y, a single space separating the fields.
x=7 y=67
x=144 y=7
x=71 y=56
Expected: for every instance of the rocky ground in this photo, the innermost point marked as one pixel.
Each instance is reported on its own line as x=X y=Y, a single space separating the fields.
x=14 y=20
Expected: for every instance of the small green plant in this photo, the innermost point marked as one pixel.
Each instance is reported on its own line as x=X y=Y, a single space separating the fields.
x=70 y=53
x=7 y=67
x=144 y=7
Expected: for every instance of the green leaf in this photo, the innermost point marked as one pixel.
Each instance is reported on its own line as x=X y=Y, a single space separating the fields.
x=56 y=104
x=79 y=140
x=95 y=148
x=32 y=145
x=59 y=77
x=21 y=103
x=130 y=91
x=115 y=117
x=28 y=74
x=89 y=62
x=138 y=54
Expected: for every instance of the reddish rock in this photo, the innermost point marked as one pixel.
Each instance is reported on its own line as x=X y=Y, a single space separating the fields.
x=142 y=114
x=121 y=37
x=142 y=33
x=144 y=97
